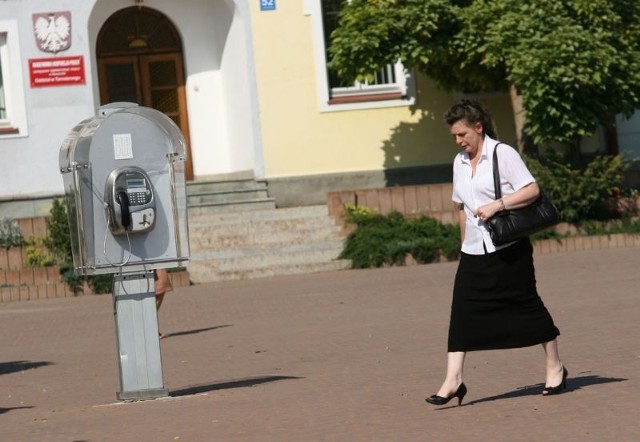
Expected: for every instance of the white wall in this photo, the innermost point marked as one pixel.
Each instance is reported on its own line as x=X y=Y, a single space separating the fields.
x=218 y=93
x=29 y=164
x=240 y=91
x=221 y=98
x=215 y=62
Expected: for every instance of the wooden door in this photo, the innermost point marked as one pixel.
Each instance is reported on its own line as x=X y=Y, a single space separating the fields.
x=155 y=81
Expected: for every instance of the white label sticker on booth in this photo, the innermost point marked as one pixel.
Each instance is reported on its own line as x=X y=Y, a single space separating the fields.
x=122 y=148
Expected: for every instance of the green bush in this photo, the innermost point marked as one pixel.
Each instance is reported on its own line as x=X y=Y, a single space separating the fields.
x=37 y=258
x=388 y=240
x=625 y=225
x=59 y=240
x=100 y=284
x=580 y=193
x=71 y=278
x=59 y=244
x=10 y=233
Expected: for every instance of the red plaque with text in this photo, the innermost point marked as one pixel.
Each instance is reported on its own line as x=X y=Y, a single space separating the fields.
x=57 y=71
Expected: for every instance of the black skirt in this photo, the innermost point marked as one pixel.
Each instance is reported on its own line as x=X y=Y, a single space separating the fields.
x=496 y=304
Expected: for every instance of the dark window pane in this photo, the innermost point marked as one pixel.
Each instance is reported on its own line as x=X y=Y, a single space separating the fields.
x=139 y=30
x=121 y=82
x=163 y=73
x=330 y=19
x=330 y=11
x=3 y=110
x=165 y=100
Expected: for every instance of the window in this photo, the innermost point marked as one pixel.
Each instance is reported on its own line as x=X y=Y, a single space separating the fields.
x=392 y=86
x=3 y=66
x=12 y=107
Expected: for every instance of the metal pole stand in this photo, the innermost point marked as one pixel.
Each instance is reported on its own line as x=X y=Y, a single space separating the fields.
x=134 y=305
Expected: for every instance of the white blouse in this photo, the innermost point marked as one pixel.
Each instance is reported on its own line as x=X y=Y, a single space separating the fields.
x=478 y=190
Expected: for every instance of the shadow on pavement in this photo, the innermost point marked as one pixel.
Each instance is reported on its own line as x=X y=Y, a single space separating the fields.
x=573 y=384
x=6 y=410
x=14 y=366
x=193 y=332
x=249 y=382
x=586 y=381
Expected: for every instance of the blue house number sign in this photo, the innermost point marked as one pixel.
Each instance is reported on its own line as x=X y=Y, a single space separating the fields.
x=267 y=5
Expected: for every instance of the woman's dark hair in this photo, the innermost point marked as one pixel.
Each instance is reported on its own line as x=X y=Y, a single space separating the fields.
x=473 y=112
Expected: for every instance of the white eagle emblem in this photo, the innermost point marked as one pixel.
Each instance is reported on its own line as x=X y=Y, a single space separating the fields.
x=52 y=31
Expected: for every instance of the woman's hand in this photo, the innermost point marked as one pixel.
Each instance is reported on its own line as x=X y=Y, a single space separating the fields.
x=488 y=210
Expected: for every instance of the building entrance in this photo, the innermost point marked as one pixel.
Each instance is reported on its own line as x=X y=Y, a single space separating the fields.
x=139 y=54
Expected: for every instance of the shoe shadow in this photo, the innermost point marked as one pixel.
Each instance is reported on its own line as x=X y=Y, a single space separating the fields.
x=239 y=383
x=6 y=410
x=573 y=384
x=193 y=332
x=15 y=366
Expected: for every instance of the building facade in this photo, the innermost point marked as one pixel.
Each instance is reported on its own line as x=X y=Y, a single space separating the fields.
x=245 y=80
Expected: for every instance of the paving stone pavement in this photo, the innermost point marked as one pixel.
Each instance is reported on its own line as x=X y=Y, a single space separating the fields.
x=340 y=356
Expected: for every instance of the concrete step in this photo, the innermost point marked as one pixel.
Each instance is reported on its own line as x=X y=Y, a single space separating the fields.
x=199 y=199
x=263 y=230
x=209 y=218
x=234 y=206
x=256 y=226
x=235 y=232
x=198 y=187
x=263 y=243
x=256 y=254
x=216 y=274
x=229 y=193
x=251 y=225
x=209 y=238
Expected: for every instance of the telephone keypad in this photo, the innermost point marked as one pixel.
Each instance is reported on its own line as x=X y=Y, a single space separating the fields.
x=137 y=198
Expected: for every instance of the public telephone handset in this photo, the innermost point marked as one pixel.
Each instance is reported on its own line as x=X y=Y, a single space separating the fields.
x=130 y=201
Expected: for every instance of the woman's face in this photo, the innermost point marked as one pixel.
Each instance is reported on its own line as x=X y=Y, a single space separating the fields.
x=470 y=137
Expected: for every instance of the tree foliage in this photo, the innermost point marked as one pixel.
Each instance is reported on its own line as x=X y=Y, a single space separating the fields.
x=575 y=62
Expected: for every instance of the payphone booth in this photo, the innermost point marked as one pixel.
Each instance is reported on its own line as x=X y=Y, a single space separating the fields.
x=123 y=174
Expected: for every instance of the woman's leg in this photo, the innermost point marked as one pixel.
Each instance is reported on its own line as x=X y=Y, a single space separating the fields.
x=554 y=364
x=163 y=285
x=455 y=366
x=159 y=299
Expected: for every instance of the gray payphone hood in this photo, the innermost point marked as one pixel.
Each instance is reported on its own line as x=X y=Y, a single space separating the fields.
x=125 y=136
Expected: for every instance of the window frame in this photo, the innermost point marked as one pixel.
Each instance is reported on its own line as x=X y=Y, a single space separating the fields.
x=359 y=96
x=15 y=125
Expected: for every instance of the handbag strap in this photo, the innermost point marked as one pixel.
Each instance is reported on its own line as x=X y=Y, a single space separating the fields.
x=496 y=173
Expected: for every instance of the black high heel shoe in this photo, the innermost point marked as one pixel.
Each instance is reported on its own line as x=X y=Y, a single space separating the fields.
x=439 y=400
x=558 y=388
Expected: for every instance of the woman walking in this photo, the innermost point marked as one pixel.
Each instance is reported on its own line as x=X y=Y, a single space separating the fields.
x=495 y=301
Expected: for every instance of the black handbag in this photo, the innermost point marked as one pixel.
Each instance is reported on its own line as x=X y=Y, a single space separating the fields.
x=511 y=225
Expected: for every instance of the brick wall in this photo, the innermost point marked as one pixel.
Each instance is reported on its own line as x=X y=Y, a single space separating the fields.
x=21 y=283
x=433 y=200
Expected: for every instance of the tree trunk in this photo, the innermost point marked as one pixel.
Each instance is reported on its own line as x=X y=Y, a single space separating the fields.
x=519 y=115
x=611 y=134
x=575 y=153
x=524 y=142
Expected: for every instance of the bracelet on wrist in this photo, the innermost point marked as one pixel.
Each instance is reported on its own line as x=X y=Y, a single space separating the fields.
x=502 y=206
